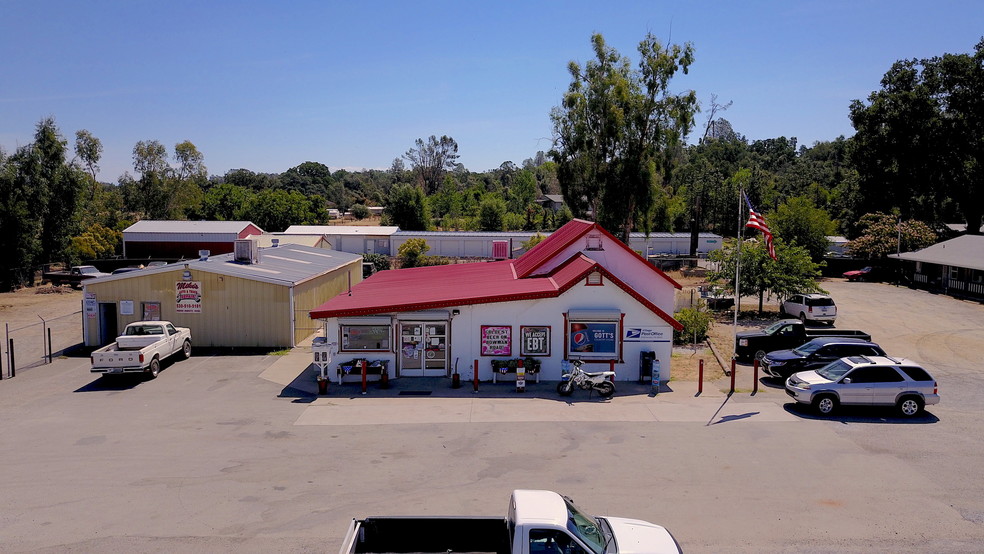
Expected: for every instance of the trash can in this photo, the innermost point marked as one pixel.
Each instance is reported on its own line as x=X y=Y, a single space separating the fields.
x=646 y=360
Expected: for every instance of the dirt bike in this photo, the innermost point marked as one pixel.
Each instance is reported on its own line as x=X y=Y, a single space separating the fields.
x=579 y=378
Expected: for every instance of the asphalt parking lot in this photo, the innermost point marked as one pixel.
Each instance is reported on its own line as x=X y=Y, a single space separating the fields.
x=234 y=453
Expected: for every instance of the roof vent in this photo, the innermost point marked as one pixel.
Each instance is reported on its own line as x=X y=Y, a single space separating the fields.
x=203 y=255
x=594 y=242
x=246 y=251
x=275 y=242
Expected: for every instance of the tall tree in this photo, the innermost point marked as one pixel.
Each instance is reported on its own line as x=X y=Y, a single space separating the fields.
x=431 y=159
x=89 y=149
x=617 y=130
x=920 y=139
x=799 y=222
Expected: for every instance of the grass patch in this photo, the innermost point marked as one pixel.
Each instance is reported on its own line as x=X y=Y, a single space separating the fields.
x=283 y=352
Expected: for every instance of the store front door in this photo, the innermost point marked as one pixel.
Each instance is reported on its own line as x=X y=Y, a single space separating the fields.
x=423 y=348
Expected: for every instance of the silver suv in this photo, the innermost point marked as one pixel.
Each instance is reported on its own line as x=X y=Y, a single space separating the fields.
x=810 y=307
x=866 y=381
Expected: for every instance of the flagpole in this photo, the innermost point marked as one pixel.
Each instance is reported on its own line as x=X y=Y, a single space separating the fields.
x=741 y=228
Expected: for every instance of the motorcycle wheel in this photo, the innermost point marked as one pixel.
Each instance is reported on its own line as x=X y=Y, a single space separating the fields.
x=605 y=389
x=565 y=388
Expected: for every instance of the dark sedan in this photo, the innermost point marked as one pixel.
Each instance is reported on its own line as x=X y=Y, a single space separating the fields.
x=816 y=354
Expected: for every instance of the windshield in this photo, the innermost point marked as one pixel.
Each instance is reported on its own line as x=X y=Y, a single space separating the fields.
x=806 y=349
x=834 y=370
x=585 y=528
x=771 y=329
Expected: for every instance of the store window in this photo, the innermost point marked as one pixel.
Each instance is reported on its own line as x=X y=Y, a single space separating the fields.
x=594 y=334
x=362 y=338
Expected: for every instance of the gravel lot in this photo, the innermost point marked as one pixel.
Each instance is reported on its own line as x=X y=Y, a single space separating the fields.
x=213 y=457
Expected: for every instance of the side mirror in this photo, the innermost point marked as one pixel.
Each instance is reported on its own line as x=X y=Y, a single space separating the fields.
x=846 y=381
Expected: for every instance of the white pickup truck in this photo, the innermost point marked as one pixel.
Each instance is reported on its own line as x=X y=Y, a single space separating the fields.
x=141 y=348
x=538 y=522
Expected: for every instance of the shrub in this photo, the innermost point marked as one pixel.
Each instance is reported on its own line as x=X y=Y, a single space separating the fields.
x=696 y=321
x=359 y=211
x=411 y=252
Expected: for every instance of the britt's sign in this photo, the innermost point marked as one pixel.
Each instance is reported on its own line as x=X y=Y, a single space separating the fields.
x=189 y=297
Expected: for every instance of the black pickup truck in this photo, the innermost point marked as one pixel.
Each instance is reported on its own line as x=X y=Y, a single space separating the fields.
x=786 y=333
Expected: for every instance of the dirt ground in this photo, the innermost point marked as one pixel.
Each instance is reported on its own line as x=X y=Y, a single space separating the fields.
x=23 y=306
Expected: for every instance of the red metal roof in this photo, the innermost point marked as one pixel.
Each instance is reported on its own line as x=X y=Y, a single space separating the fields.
x=444 y=286
x=551 y=246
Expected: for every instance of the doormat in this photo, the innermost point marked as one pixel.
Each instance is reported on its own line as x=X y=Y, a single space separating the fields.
x=415 y=392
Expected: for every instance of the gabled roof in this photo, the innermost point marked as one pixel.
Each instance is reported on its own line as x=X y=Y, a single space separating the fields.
x=423 y=288
x=161 y=226
x=964 y=251
x=427 y=288
x=549 y=248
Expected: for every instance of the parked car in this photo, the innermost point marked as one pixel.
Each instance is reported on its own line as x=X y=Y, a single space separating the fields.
x=865 y=381
x=73 y=276
x=810 y=307
x=782 y=334
x=863 y=274
x=816 y=354
x=125 y=270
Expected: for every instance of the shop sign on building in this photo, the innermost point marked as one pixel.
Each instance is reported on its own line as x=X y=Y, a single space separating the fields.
x=535 y=340
x=645 y=334
x=496 y=340
x=596 y=338
x=189 y=297
x=91 y=306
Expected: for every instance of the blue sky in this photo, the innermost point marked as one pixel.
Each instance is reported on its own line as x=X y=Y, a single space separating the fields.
x=268 y=85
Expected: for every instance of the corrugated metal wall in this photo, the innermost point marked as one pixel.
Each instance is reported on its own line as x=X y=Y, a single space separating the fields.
x=235 y=311
x=315 y=292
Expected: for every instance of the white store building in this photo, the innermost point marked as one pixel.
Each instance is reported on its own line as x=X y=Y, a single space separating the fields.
x=581 y=293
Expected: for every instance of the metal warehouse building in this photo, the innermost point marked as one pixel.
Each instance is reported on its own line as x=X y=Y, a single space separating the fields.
x=183 y=239
x=253 y=297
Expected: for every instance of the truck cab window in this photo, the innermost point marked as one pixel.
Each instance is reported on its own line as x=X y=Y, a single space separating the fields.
x=551 y=541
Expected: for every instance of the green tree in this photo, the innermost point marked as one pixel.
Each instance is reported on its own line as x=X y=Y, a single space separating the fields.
x=89 y=149
x=359 y=211
x=618 y=129
x=411 y=252
x=522 y=193
x=492 y=213
x=275 y=210
x=884 y=234
x=97 y=241
x=801 y=223
x=60 y=185
x=792 y=272
x=226 y=202
x=407 y=208
x=920 y=139
x=430 y=160
x=163 y=191
x=378 y=261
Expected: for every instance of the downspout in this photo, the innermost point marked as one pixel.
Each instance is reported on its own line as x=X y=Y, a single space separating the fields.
x=293 y=317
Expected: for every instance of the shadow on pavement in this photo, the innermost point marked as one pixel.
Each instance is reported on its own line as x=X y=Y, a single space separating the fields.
x=861 y=414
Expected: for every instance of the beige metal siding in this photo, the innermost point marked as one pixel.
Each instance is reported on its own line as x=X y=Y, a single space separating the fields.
x=235 y=311
x=315 y=292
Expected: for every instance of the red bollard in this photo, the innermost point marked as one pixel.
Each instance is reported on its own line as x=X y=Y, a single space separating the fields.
x=475 y=379
x=755 y=384
x=364 y=377
x=700 y=378
x=732 y=377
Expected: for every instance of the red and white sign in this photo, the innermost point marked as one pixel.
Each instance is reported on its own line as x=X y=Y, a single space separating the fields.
x=188 y=297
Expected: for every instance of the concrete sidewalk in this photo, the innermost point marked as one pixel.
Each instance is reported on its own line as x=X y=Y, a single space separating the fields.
x=432 y=400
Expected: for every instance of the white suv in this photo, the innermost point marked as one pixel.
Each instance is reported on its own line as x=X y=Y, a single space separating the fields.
x=810 y=307
x=866 y=381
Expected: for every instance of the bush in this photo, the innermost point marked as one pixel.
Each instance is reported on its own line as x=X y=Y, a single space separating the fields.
x=695 y=321
x=378 y=261
x=359 y=211
x=412 y=251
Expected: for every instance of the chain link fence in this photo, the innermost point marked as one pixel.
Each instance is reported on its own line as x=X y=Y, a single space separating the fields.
x=27 y=346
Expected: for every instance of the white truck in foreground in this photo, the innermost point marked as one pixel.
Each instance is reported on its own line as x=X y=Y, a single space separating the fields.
x=538 y=522
x=141 y=348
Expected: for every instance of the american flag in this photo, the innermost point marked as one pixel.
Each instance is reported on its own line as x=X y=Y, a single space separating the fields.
x=757 y=221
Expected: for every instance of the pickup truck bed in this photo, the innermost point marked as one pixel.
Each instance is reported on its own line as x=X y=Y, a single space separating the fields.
x=431 y=534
